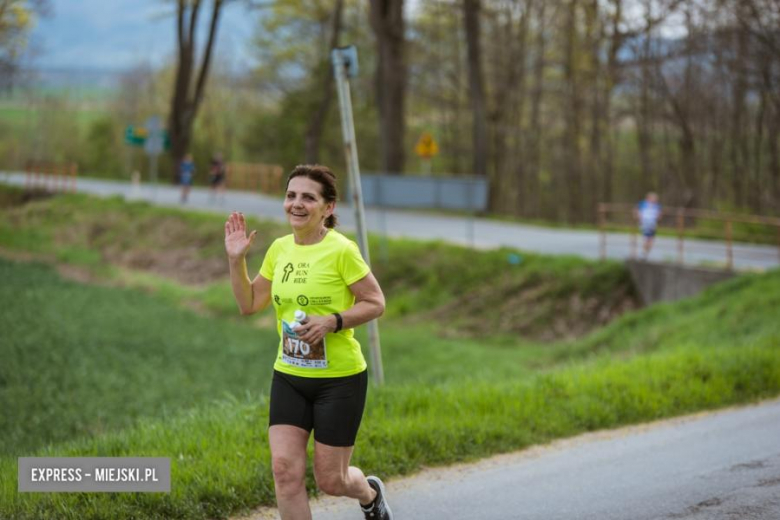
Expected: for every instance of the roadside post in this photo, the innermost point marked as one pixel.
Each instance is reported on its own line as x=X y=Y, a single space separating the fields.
x=153 y=147
x=154 y=139
x=426 y=149
x=345 y=63
x=380 y=202
x=471 y=218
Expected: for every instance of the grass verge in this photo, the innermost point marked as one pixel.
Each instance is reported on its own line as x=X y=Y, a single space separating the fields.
x=81 y=360
x=220 y=460
x=181 y=254
x=106 y=371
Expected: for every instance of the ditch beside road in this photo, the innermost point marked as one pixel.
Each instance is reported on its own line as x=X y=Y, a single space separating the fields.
x=476 y=232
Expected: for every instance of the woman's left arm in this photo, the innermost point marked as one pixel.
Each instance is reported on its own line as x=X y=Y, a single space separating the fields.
x=369 y=305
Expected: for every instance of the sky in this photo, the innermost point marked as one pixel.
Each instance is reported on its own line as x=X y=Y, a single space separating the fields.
x=119 y=34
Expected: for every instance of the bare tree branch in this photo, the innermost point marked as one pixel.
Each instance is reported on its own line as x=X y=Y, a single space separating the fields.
x=207 y=56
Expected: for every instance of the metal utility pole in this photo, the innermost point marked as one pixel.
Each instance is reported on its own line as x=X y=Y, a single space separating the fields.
x=153 y=146
x=345 y=63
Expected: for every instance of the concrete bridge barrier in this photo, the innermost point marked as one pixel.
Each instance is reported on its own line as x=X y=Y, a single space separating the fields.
x=657 y=282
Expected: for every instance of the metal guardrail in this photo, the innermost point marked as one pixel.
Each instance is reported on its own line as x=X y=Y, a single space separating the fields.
x=680 y=217
x=469 y=193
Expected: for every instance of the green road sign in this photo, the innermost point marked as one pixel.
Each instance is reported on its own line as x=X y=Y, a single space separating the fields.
x=136 y=136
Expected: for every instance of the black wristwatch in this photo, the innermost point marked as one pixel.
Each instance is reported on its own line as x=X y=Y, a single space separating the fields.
x=339 y=322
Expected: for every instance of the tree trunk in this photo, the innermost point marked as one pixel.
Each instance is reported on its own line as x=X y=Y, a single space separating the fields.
x=506 y=109
x=759 y=193
x=187 y=96
x=684 y=107
x=520 y=185
x=533 y=202
x=314 y=129
x=773 y=135
x=387 y=21
x=687 y=147
x=616 y=42
x=573 y=124
x=643 y=112
x=737 y=151
x=471 y=20
x=594 y=174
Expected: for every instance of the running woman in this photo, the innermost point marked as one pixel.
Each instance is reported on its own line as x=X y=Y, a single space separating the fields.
x=321 y=288
x=186 y=174
x=648 y=212
x=217 y=177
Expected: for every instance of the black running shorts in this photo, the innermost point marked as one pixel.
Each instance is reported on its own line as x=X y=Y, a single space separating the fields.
x=331 y=406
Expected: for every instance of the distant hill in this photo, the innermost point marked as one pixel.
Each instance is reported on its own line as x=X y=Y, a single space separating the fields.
x=73 y=78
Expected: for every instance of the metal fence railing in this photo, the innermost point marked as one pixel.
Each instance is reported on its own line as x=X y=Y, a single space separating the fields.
x=616 y=215
x=265 y=178
x=51 y=176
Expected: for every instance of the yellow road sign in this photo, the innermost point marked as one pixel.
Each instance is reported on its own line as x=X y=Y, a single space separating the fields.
x=426 y=146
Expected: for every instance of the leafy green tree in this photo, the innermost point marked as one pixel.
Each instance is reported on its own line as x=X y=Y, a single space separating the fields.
x=298 y=120
x=388 y=23
x=103 y=148
x=191 y=72
x=17 y=17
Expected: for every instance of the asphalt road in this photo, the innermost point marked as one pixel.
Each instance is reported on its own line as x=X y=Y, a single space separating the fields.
x=713 y=466
x=476 y=232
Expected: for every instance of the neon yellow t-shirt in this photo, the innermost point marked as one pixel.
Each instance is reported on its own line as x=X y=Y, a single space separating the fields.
x=315 y=279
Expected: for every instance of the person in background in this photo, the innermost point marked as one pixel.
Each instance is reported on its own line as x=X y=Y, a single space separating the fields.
x=647 y=213
x=321 y=289
x=186 y=175
x=217 y=178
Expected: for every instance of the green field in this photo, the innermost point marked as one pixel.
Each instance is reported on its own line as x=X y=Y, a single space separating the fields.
x=20 y=118
x=146 y=360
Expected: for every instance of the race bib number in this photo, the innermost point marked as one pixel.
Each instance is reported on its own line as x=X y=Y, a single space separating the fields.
x=297 y=352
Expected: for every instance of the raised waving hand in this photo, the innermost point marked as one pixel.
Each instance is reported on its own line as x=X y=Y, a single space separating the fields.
x=237 y=242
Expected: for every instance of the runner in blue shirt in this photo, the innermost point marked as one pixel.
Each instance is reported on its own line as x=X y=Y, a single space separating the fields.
x=186 y=173
x=647 y=213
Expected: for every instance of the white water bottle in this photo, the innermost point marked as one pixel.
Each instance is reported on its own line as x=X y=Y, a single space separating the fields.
x=299 y=317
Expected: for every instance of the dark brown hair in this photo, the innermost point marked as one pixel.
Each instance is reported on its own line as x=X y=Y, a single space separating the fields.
x=327 y=181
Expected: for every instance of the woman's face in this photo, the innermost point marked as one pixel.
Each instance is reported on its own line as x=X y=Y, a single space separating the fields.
x=304 y=206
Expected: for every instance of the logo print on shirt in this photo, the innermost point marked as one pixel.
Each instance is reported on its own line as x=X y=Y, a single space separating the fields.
x=288 y=269
x=303 y=300
x=277 y=299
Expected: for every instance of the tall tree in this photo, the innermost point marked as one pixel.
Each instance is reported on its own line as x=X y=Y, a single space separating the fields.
x=534 y=152
x=323 y=76
x=387 y=21
x=16 y=19
x=505 y=71
x=573 y=117
x=738 y=150
x=190 y=81
x=471 y=21
x=761 y=20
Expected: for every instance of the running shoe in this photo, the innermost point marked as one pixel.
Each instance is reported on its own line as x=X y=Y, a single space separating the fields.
x=380 y=510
